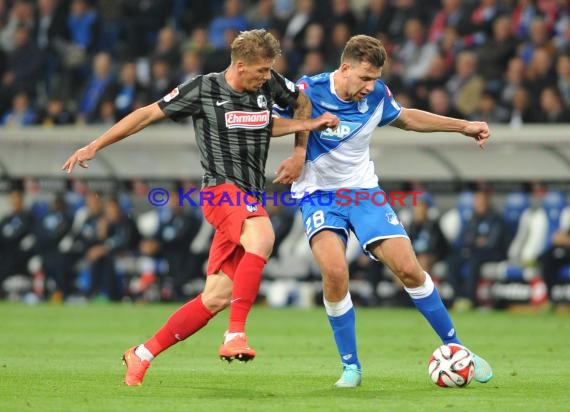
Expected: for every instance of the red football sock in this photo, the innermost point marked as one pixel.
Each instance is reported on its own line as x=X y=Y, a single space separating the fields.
x=186 y=321
x=246 y=285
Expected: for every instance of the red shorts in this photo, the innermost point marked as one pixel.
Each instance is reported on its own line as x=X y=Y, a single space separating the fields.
x=227 y=215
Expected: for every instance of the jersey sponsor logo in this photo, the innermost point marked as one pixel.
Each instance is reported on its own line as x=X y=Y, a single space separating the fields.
x=171 y=95
x=343 y=130
x=247 y=120
x=303 y=85
x=329 y=106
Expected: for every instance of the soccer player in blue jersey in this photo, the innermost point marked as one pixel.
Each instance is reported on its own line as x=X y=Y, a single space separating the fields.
x=340 y=159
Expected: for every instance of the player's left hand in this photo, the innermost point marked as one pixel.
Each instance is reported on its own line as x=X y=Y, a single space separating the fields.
x=289 y=170
x=478 y=131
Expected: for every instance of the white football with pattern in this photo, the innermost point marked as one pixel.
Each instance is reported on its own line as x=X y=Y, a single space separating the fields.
x=451 y=366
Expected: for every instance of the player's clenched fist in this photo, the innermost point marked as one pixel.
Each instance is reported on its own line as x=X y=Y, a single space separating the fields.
x=478 y=131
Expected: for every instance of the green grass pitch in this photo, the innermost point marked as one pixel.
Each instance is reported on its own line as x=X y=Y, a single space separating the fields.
x=65 y=358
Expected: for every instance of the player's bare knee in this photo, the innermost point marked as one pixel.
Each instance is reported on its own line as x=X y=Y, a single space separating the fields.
x=262 y=246
x=259 y=242
x=335 y=271
x=266 y=244
x=335 y=275
x=409 y=272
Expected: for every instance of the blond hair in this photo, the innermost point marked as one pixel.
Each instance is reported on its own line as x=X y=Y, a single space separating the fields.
x=255 y=45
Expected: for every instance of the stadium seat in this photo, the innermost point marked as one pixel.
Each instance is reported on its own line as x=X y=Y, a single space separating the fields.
x=532 y=238
x=147 y=223
x=554 y=203
x=293 y=259
x=40 y=207
x=203 y=239
x=523 y=252
x=564 y=273
x=125 y=203
x=453 y=221
x=515 y=205
x=285 y=271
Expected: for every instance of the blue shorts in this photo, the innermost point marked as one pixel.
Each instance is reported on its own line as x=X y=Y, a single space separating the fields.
x=364 y=211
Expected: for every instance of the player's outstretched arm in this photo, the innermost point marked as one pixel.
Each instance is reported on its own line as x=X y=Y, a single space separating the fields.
x=130 y=124
x=282 y=127
x=422 y=121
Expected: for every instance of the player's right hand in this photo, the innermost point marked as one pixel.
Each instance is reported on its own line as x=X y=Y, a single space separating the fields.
x=80 y=157
x=326 y=121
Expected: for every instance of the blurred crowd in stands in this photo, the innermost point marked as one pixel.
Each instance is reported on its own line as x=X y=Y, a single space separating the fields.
x=94 y=61
x=487 y=250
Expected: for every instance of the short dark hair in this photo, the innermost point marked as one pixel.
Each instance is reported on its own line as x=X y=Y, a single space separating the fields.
x=254 y=45
x=362 y=48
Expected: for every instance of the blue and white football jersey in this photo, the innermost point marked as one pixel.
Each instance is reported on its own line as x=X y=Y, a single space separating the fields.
x=341 y=158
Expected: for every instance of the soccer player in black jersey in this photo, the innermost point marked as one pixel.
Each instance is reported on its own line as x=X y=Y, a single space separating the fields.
x=232 y=118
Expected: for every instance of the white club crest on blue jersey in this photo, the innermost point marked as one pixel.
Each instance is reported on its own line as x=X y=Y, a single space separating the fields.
x=363 y=105
x=392 y=218
x=343 y=130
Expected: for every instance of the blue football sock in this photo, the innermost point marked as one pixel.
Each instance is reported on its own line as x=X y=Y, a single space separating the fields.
x=427 y=300
x=343 y=326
